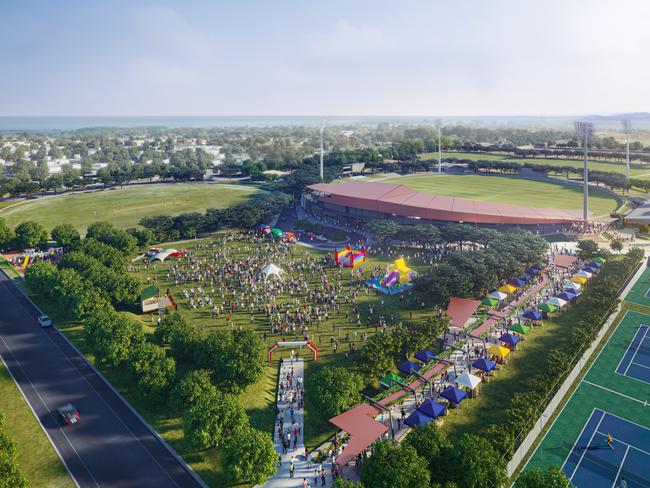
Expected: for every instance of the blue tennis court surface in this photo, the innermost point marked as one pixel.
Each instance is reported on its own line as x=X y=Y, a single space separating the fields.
x=647 y=293
x=636 y=360
x=593 y=464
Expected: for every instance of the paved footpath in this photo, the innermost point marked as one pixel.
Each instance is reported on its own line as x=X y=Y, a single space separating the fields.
x=302 y=467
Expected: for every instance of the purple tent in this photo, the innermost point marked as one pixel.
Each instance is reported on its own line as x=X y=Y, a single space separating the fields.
x=538 y=266
x=566 y=296
x=517 y=282
x=424 y=355
x=526 y=277
x=595 y=264
x=533 y=271
x=453 y=394
x=509 y=339
x=407 y=366
x=484 y=365
x=590 y=269
x=418 y=419
x=533 y=315
x=432 y=409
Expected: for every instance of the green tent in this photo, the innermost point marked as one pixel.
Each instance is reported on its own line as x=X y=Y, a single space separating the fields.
x=599 y=260
x=277 y=233
x=522 y=329
x=387 y=380
x=547 y=307
x=490 y=302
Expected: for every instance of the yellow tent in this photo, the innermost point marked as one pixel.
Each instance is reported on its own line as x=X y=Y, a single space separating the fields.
x=507 y=289
x=579 y=279
x=499 y=351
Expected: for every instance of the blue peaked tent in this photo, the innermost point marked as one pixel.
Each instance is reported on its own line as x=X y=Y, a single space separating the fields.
x=454 y=395
x=590 y=269
x=432 y=409
x=538 y=266
x=418 y=419
x=517 y=282
x=526 y=277
x=532 y=271
x=484 y=365
x=533 y=315
x=407 y=366
x=566 y=296
x=595 y=264
x=509 y=339
x=424 y=355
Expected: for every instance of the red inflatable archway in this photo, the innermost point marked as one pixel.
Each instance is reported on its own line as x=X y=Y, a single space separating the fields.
x=308 y=344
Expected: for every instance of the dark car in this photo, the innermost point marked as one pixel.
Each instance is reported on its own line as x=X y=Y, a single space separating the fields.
x=69 y=414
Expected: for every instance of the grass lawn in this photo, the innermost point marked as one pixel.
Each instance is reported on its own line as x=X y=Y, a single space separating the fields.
x=36 y=457
x=610 y=167
x=124 y=207
x=511 y=190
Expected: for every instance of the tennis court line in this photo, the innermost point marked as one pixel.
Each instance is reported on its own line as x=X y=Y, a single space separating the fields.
x=577 y=438
x=640 y=365
x=627 y=349
x=624 y=443
x=593 y=434
x=644 y=403
x=620 y=467
x=645 y=334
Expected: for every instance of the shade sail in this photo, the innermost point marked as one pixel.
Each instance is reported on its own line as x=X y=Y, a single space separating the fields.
x=547 y=307
x=424 y=355
x=363 y=430
x=520 y=328
x=509 y=339
x=490 y=302
x=453 y=394
x=387 y=381
x=431 y=408
x=566 y=296
x=484 y=364
x=558 y=302
x=517 y=282
x=584 y=274
x=499 y=351
x=532 y=315
x=498 y=295
x=507 y=289
x=461 y=310
x=579 y=279
x=600 y=260
x=468 y=380
x=571 y=285
x=595 y=264
x=407 y=366
x=418 y=419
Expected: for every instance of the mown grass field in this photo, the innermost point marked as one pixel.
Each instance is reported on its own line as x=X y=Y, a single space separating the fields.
x=511 y=190
x=611 y=167
x=124 y=207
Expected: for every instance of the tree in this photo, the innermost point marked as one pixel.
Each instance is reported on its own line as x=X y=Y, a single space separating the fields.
x=170 y=326
x=616 y=245
x=116 y=339
x=7 y=235
x=587 y=249
x=143 y=236
x=65 y=235
x=155 y=371
x=190 y=387
x=249 y=456
x=433 y=445
x=336 y=389
x=106 y=233
x=476 y=464
x=10 y=475
x=553 y=477
x=41 y=277
x=392 y=465
x=383 y=230
x=31 y=234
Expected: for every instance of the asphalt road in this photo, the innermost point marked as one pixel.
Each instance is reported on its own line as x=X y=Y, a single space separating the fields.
x=110 y=446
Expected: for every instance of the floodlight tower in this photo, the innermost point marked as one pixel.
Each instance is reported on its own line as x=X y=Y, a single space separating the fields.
x=584 y=131
x=626 y=126
x=439 y=126
x=322 y=127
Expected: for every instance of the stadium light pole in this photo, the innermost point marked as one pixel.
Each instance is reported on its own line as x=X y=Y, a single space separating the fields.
x=439 y=125
x=626 y=126
x=322 y=128
x=584 y=131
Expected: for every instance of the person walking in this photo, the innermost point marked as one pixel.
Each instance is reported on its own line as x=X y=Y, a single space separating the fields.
x=610 y=441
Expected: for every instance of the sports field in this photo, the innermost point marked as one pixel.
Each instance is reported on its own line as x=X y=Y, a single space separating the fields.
x=509 y=190
x=636 y=169
x=640 y=293
x=124 y=207
x=611 y=400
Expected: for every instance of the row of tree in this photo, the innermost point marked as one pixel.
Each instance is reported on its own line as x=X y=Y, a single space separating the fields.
x=10 y=474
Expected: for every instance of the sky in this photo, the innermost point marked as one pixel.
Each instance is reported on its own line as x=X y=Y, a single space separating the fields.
x=354 y=57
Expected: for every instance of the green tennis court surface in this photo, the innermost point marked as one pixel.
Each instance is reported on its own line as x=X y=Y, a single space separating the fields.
x=640 y=292
x=605 y=402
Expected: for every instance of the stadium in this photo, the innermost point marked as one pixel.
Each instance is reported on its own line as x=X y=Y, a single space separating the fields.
x=358 y=202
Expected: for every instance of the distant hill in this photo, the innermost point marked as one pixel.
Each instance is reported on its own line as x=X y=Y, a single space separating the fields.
x=644 y=116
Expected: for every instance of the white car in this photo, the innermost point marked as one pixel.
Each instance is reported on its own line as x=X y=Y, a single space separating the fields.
x=44 y=321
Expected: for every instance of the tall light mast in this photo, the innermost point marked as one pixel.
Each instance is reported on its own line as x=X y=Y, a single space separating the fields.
x=439 y=125
x=584 y=131
x=627 y=125
x=322 y=127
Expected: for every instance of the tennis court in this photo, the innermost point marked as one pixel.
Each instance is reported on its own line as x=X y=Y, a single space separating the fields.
x=606 y=402
x=592 y=462
x=636 y=360
x=640 y=292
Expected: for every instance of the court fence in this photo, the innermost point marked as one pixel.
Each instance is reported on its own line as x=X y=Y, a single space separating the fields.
x=521 y=452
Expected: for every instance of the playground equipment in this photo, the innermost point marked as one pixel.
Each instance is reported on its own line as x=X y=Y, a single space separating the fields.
x=349 y=257
x=398 y=279
x=299 y=344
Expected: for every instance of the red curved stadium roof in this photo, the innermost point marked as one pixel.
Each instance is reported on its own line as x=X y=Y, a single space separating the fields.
x=406 y=202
